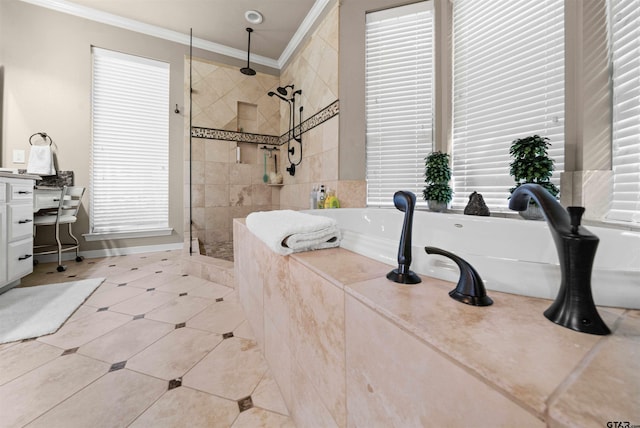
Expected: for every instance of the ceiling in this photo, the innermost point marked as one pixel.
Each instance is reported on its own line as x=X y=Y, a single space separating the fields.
x=218 y=25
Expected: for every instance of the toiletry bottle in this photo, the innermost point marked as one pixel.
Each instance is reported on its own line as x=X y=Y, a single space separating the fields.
x=327 y=198
x=321 y=197
x=316 y=190
x=331 y=201
x=316 y=193
x=313 y=198
x=335 y=203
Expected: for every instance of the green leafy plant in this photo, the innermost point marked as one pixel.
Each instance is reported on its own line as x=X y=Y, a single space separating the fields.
x=437 y=175
x=531 y=163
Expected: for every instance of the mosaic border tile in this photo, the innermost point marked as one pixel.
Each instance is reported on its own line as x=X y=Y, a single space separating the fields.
x=241 y=137
x=320 y=117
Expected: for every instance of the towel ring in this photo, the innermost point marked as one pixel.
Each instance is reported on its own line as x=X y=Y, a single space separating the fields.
x=42 y=135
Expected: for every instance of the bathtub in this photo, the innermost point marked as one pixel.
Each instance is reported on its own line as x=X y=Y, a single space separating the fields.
x=511 y=255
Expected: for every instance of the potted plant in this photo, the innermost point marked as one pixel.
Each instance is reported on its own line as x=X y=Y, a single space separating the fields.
x=437 y=175
x=532 y=164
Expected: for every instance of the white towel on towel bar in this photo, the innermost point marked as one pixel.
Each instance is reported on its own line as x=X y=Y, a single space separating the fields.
x=286 y=231
x=41 y=161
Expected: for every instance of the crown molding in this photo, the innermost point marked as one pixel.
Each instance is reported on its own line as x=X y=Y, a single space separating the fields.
x=302 y=31
x=154 y=31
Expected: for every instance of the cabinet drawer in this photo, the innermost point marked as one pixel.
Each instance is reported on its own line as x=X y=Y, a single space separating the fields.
x=3 y=192
x=20 y=259
x=3 y=244
x=21 y=191
x=20 y=221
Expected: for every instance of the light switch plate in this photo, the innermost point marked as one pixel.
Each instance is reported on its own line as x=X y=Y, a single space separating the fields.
x=18 y=156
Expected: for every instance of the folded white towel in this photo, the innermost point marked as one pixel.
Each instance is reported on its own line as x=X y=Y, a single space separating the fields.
x=41 y=161
x=287 y=231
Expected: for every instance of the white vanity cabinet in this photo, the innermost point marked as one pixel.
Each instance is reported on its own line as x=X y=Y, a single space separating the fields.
x=16 y=227
x=3 y=234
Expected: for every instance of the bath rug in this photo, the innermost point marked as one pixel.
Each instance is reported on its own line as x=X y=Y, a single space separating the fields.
x=286 y=231
x=29 y=312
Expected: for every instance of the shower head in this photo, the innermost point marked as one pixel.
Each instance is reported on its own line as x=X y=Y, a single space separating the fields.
x=282 y=90
x=248 y=70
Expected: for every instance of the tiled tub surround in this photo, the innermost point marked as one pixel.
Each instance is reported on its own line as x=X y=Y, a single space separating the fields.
x=350 y=348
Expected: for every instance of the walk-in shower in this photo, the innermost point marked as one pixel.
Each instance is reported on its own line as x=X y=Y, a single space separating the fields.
x=226 y=166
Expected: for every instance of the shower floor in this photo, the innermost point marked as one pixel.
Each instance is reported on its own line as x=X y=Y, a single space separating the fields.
x=220 y=250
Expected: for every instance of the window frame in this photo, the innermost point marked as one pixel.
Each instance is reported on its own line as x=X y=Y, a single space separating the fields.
x=378 y=193
x=485 y=168
x=150 y=107
x=622 y=209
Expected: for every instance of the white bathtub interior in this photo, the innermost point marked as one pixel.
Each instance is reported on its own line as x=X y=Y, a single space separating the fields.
x=511 y=255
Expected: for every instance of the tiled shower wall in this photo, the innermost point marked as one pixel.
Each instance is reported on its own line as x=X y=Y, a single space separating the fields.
x=314 y=70
x=225 y=99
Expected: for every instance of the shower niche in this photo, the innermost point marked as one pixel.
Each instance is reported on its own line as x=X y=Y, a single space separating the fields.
x=247 y=119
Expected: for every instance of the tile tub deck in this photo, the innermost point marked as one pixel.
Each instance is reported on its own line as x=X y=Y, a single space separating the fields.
x=347 y=347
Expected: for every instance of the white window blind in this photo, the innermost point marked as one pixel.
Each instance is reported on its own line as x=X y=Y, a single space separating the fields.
x=508 y=84
x=625 y=57
x=399 y=87
x=129 y=164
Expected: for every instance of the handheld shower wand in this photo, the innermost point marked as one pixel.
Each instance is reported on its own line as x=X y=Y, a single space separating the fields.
x=288 y=101
x=282 y=92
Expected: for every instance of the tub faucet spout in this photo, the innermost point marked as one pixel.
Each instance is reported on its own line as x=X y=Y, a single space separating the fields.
x=573 y=307
x=404 y=201
x=470 y=288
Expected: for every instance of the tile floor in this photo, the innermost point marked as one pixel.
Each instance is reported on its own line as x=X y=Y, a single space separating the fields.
x=151 y=347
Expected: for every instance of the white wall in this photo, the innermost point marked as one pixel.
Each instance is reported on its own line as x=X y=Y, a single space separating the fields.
x=46 y=56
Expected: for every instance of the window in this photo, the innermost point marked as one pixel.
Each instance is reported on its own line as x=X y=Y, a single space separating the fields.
x=508 y=83
x=625 y=63
x=399 y=87
x=130 y=152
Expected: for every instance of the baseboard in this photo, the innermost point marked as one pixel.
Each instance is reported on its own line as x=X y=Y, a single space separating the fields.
x=110 y=252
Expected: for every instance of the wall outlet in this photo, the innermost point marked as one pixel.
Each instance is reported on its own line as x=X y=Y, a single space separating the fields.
x=18 y=156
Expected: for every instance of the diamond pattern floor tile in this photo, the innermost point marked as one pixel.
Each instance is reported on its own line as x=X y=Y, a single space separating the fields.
x=131 y=393
x=140 y=358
